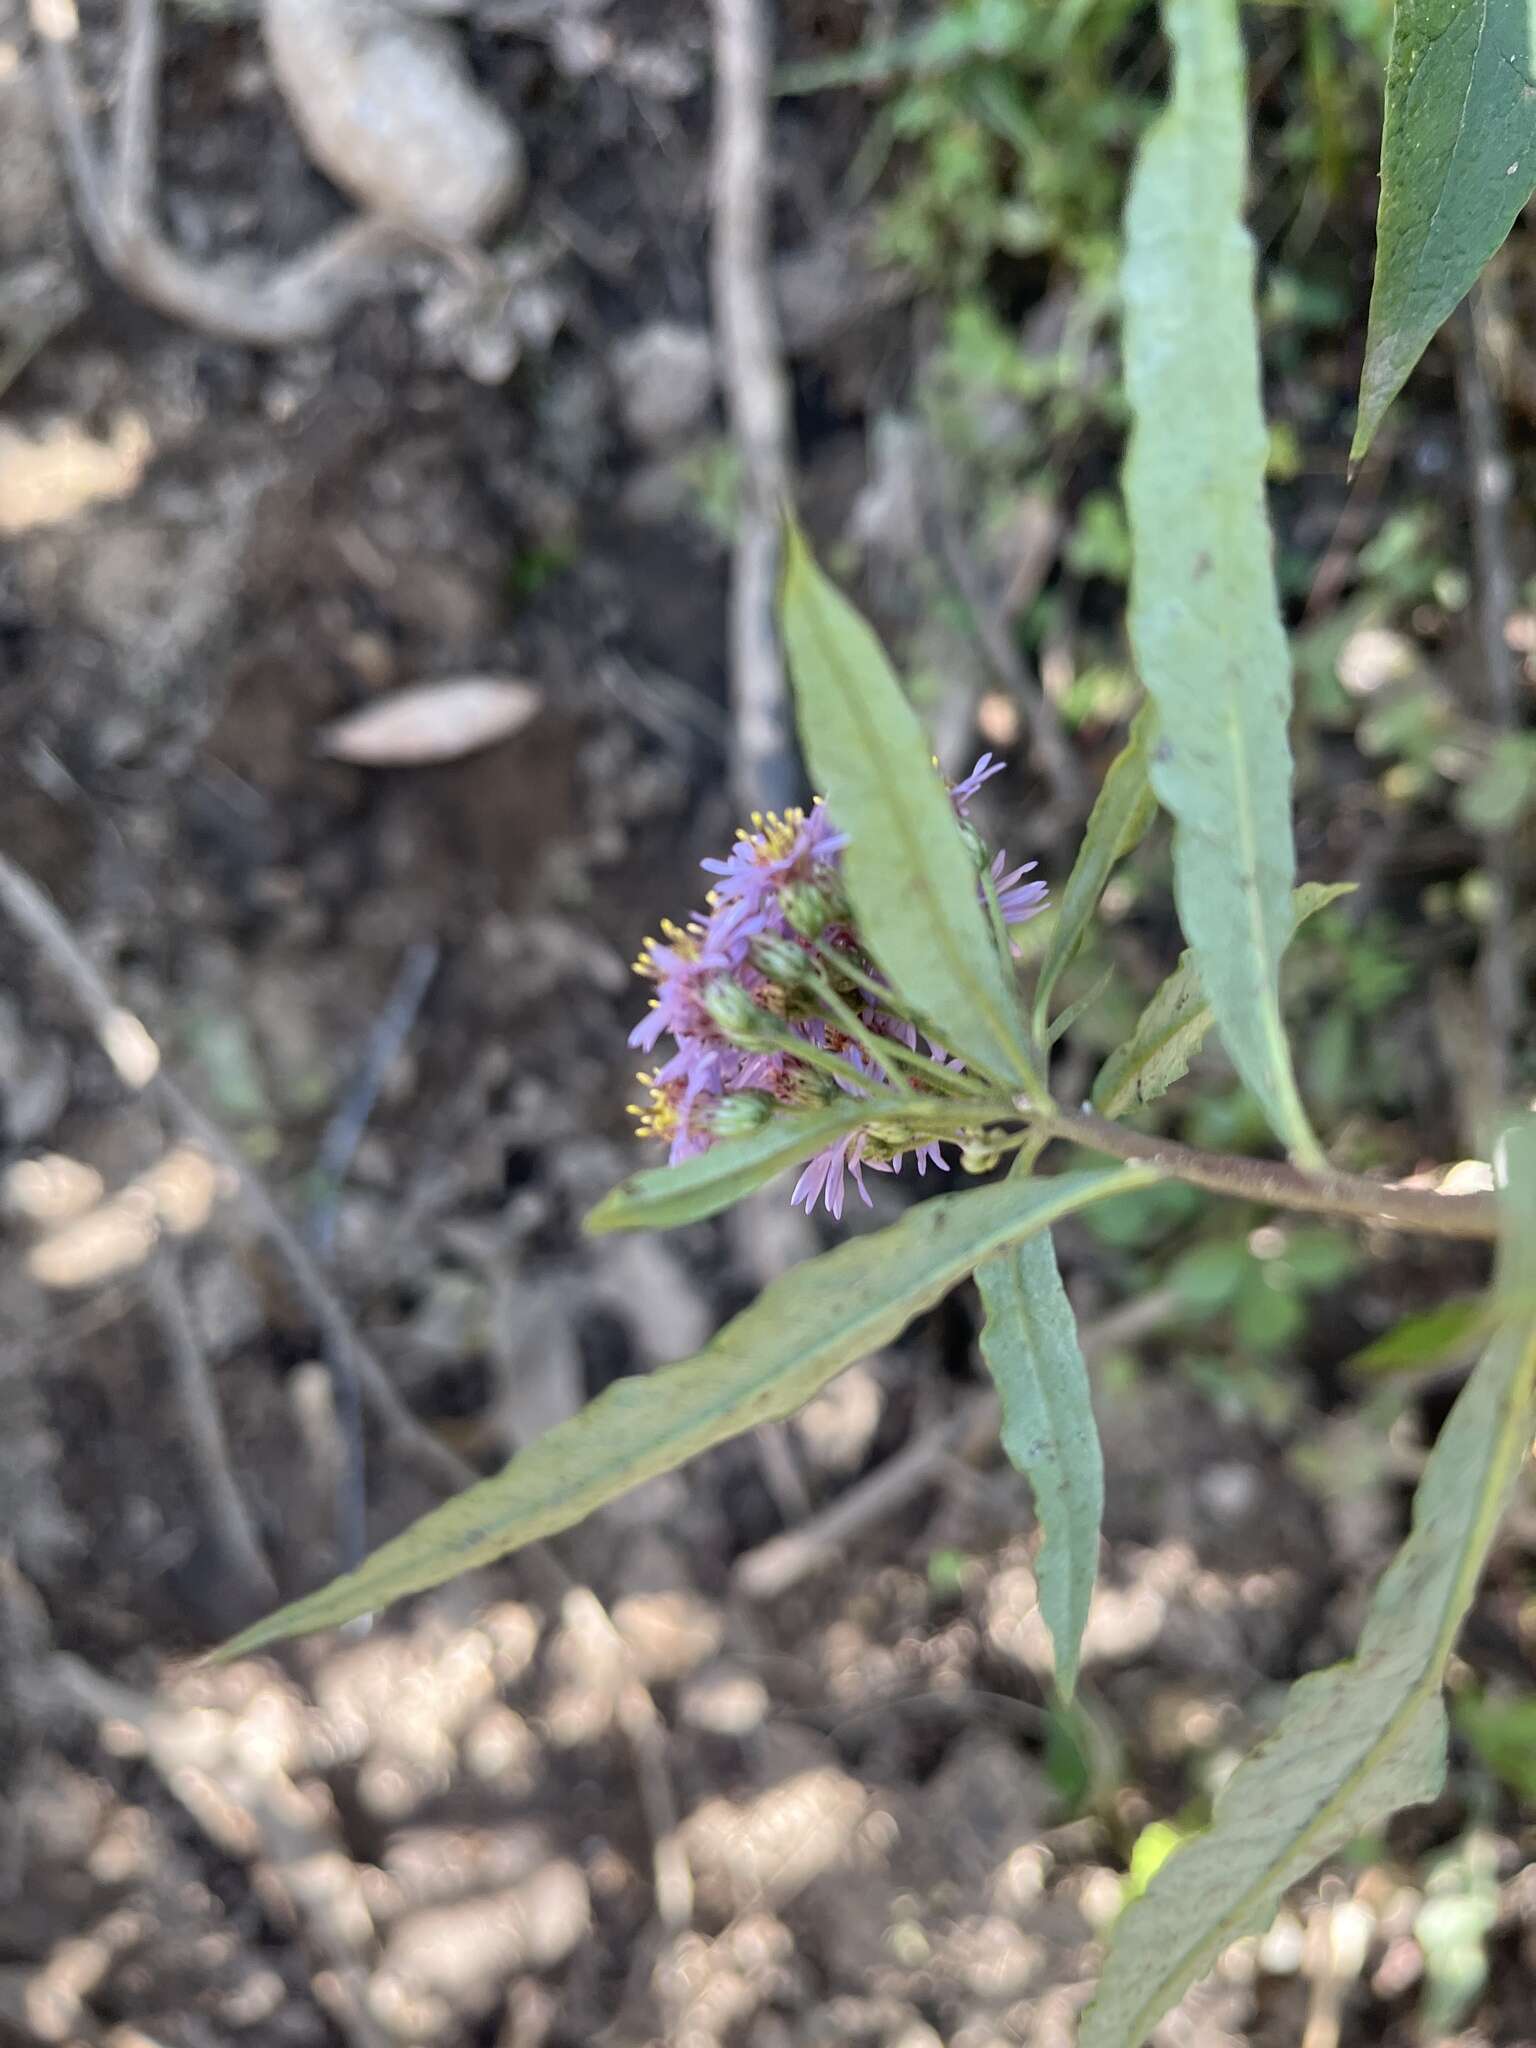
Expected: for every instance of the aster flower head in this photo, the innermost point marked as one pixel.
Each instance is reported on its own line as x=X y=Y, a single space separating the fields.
x=770 y=999
x=776 y=854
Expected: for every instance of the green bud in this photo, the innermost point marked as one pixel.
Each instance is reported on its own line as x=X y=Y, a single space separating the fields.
x=733 y=1011
x=977 y=1156
x=809 y=907
x=782 y=961
x=808 y=1087
x=737 y=1116
x=977 y=847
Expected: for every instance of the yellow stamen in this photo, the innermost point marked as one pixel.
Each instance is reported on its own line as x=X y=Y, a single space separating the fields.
x=659 y=1117
x=771 y=836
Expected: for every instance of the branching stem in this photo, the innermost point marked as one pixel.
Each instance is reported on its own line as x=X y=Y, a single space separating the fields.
x=1346 y=1195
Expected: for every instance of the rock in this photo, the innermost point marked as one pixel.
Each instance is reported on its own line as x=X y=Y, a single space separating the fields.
x=463 y=1954
x=666 y=381
x=386 y=105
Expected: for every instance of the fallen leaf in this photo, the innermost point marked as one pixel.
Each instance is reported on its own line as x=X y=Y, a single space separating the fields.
x=431 y=722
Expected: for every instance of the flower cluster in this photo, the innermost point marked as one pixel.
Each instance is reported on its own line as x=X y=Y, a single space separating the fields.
x=771 y=1001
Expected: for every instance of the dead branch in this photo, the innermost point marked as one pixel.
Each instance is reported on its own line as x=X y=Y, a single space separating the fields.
x=271 y=306
x=1050 y=748
x=229 y=1524
x=757 y=395
x=354 y=1369
x=1491 y=485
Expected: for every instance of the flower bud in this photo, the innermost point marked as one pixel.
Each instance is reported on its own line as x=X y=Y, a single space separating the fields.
x=782 y=961
x=737 y=1116
x=809 y=907
x=735 y=1014
x=977 y=1155
x=808 y=1087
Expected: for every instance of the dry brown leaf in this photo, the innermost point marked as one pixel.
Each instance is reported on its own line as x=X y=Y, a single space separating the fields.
x=431 y=722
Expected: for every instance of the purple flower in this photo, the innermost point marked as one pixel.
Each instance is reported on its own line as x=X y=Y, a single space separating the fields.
x=966 y=788
x=798 y=852
x=823 y=1178
x=776 y=852
x=1018 y=901
x=682 y=963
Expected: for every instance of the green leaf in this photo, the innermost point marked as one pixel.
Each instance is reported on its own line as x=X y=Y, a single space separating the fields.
x=1436 y=1336
x=1458 y=162
x=1172 y=1028
x=912 y=880
x=1204 y=616
x=1122 y=811
x=1029 y=1343
x=1356 y=1741
x=1499 y=795
x=801 y=1331
x=662 y=1197
x=1501 y=1733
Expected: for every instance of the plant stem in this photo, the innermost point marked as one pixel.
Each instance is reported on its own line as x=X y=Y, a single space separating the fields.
x=1283 y=1187
x=955 y=1079
x=881 y=1050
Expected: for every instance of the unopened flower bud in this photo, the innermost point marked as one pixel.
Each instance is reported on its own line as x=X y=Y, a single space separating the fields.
x=809 y=907
x=782 y=961
x=734 y=1013
x=737 y=1116
x=977 y=1155
x=808 y=1087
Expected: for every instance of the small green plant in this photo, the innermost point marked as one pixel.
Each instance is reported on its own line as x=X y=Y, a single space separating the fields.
x=852 y=998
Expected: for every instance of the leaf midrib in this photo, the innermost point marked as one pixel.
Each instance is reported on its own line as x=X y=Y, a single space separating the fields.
x=1185 y=116
x=893 y=776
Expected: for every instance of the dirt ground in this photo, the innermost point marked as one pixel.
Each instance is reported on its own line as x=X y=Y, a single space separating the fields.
x=787 y=1797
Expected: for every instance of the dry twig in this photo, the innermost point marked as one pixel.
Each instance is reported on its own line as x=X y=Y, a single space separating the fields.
x=296 y=301
x=1049 y=745
x=757 y=393
x=228 y=1522
x=344 y=1133
x=1492 y=482
x=355 y=1370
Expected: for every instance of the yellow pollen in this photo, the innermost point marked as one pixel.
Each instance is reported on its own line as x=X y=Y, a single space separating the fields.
x=676 y=940
x=771 y=836
x=658 y=1117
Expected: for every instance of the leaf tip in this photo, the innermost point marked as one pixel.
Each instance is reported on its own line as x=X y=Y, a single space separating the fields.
x=606 y=1215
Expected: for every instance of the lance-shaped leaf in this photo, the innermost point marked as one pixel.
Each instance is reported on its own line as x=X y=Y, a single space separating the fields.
x=909 y=873
x=1122 y=811
x=1029 y=1343
x=1172 y=1028
x=1204 y=615
x=1458 y=162
x=801 y=1331
x=1357 y=1741
x=662 y=1197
